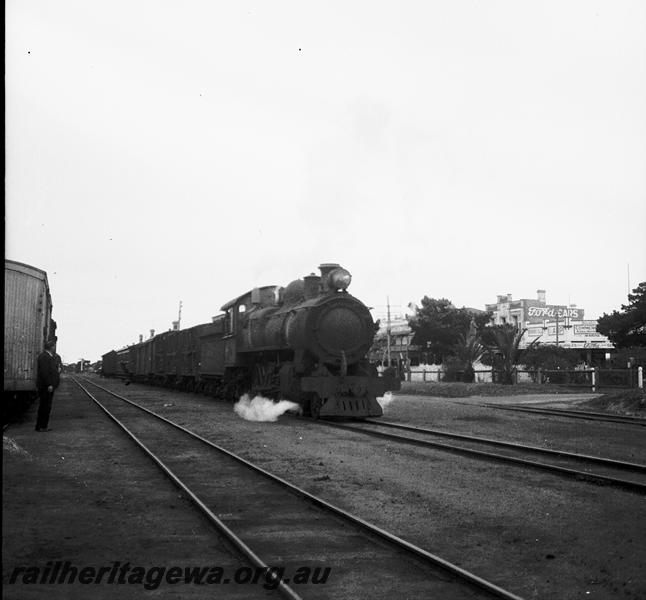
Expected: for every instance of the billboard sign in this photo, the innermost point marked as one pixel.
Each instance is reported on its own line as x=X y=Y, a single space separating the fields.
x=587 y=329
x=536 y=314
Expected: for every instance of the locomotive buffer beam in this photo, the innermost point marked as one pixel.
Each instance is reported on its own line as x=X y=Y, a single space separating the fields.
x=350 y=395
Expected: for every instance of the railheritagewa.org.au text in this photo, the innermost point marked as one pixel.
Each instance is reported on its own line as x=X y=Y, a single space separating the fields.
x=123 y=573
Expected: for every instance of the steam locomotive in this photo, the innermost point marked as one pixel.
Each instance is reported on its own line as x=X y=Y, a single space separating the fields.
x=306 y=342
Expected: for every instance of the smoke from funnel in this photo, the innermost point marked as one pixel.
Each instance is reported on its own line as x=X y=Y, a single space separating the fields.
x=262 y=409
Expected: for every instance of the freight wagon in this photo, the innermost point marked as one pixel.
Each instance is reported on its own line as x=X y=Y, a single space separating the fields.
x=28 y=324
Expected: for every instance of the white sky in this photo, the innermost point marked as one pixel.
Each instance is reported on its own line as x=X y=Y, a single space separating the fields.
x=166 y=150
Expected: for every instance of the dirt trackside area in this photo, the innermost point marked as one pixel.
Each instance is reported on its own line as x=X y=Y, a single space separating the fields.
x=629 y=402
x=83 y=493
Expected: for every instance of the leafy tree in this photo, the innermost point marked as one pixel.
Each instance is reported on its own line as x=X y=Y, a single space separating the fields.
x=627 y=328
x=503 y=342
x=633 y=355
x=438 y=325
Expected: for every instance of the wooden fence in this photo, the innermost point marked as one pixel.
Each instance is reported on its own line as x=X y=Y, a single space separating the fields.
x=586 y=378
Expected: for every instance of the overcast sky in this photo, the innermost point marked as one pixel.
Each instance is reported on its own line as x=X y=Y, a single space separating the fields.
x=159 y=151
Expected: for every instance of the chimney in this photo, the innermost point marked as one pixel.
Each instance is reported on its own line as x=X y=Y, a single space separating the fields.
x=255 y=296
x=141 y=337
x=508 y=297
x=541 y=296
x=152 y=333
x=175 y=325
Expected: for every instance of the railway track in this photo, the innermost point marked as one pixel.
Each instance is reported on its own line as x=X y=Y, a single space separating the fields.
x=574 y=414
x=276 y=525
x=594 y=469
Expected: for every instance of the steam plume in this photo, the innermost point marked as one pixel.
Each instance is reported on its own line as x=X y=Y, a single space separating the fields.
x=386 y=399
x=262 y=409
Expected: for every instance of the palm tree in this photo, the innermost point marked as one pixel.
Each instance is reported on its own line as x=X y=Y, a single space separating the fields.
x=468 y=350
x=504 y=340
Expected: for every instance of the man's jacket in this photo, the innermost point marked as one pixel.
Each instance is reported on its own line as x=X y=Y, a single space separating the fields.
x=47 y=371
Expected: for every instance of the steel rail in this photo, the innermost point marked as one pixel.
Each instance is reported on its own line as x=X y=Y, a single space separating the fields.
x=374 y=529
x=627 y=484
x=608 y=462
x=575 y=414
x=220 y=526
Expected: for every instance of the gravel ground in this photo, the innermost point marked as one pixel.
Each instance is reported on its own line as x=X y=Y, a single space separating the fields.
x=82 y=493
x=469 y=416
x=536 y=534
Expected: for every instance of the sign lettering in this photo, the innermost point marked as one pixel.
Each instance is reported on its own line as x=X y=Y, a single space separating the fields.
x=538 y=313
x=587 y=328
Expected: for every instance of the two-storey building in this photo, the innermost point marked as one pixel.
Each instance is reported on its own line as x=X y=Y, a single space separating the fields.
x=554 y=324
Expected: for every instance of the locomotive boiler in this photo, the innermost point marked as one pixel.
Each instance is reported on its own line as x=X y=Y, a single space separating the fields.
x=306 y=342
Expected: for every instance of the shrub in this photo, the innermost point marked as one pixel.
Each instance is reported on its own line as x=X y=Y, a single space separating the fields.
x=548 y=357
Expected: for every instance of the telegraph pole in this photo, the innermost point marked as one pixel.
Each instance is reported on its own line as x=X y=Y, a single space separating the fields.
x=388 y=329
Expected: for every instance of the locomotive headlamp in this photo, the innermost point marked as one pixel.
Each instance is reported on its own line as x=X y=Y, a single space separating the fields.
x=340 y=279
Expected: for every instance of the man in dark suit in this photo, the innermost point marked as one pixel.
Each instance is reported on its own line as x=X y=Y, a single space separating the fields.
x=47 y=380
